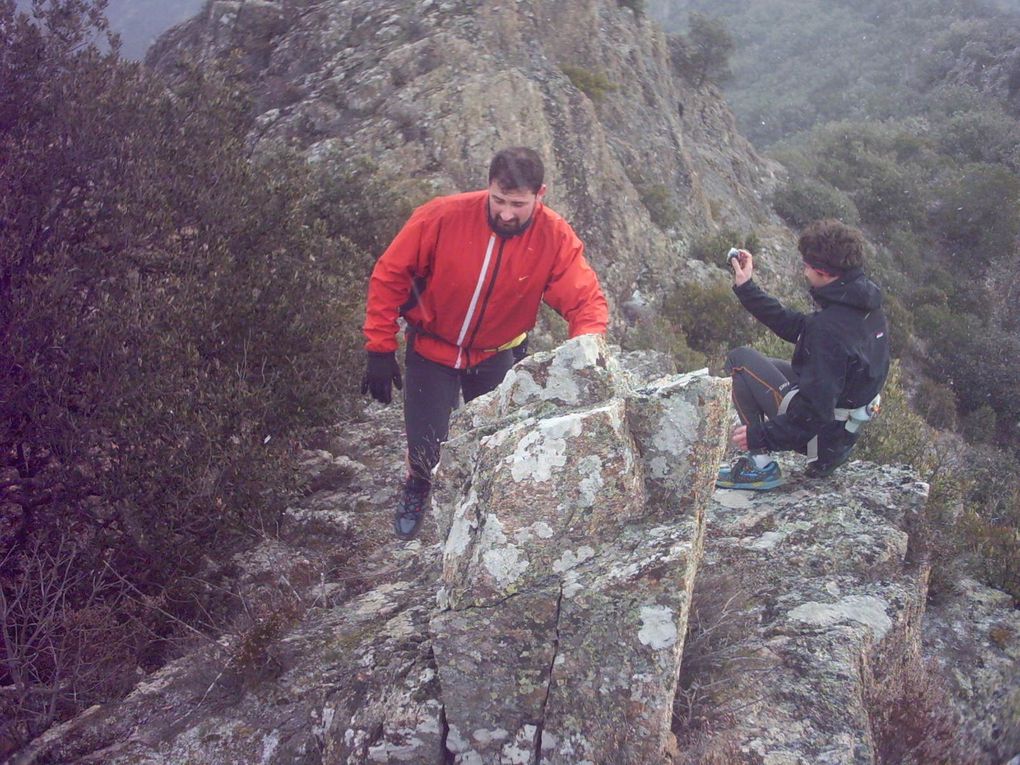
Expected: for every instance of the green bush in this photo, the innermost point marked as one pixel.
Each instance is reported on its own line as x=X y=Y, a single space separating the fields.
x=803 y=200
x=658 y=200
x=595 y=85
x=713 y=248
x=937 y=404
x=971 y=215
x=173 y=317
x=638 y=6
x=711 y=319
x=704 y=52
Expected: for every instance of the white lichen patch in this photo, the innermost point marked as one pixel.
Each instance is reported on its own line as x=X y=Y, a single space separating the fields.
x=658 y=629
x=464 y=522
x=569 y=559
x=591 y=482
x=543 y=449
x=677 y=428
x=580 y=353
x=768 y=540
x=571 y=584
x=503 y=561
x=864 y=609
x=270 y=742
x=485 y=736
x=539 y=529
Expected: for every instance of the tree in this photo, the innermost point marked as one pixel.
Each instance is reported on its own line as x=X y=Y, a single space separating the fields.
x=703 y=54
x=172 y=315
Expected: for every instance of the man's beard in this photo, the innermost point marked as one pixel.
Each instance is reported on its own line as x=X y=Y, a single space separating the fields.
x=509 y=230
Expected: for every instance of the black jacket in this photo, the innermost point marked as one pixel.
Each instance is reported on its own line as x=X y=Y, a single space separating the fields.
x=841 y=359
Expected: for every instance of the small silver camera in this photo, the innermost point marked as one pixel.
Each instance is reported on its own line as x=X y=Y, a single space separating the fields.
x=733 y=253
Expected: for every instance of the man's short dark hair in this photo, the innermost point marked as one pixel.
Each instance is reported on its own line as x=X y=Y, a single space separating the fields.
x=832 y=246
x=516 y=169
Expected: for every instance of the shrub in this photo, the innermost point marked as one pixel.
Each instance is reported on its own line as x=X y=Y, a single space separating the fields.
x=658 y=200
x=912 y=718
x=704 y=52
x=595 y=85
x=173 y=316
x=803 y=200
x=712 y=248
x=710 y=317
x=937 y=404
x=638 y=6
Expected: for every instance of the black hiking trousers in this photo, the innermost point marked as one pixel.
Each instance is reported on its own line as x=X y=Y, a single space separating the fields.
x=759 y=384
x=431 y=393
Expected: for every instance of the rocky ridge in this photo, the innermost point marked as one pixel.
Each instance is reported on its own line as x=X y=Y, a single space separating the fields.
x=542 y=615
x=639 y=161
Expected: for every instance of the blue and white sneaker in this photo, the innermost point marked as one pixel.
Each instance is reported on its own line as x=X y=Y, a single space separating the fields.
x=744 y=474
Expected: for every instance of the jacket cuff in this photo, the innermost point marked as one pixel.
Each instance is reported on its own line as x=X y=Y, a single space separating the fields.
x=740 y=289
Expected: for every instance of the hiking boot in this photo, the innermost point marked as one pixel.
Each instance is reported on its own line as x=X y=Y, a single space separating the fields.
x=819 y=469
x=411 y=509
x=744 y=474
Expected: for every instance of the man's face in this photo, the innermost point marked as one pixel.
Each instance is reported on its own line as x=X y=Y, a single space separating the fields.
x=510 y=211
x=816 y=278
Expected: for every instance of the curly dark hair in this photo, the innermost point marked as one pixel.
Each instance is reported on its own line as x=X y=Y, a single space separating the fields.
x=830 y=245
x=517 y=168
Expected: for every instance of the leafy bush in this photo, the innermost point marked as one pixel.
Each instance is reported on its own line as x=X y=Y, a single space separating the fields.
x=937 y=404
x=971 y=215
x=713 y=247
x=658 y=201
x=704 y=52
x=710 y=317
x=595 y=85
x=802 y=200
x=638 y=6
x=172 y=317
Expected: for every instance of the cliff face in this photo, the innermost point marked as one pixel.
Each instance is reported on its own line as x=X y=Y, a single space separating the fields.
x=431 y=89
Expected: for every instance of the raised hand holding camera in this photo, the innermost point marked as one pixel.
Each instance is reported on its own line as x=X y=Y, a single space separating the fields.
x=742 y=264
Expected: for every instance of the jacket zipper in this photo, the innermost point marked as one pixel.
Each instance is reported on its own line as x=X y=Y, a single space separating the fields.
x=474 y=301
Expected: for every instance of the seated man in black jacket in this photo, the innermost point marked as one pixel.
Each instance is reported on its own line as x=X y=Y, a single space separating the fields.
x=814 y=403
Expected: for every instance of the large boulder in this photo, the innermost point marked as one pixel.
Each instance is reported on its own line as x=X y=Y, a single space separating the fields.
x=572 y=509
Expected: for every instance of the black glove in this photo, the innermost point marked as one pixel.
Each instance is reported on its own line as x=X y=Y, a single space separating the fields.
x=381 y=374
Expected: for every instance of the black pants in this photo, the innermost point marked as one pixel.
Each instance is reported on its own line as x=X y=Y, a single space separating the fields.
x=431 y=393
x=759 y=384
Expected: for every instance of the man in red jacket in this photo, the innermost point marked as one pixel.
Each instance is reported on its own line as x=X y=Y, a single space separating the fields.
x=468 y=273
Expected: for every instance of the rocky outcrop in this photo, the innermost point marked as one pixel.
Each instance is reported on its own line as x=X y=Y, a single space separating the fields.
x=573 y=513
x=638 y=160
x=546 y=611
x=838 y=602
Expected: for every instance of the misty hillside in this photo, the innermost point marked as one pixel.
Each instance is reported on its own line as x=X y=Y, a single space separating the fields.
x=797 y=63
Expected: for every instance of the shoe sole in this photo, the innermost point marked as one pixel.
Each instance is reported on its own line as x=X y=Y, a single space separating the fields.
x=756 y=486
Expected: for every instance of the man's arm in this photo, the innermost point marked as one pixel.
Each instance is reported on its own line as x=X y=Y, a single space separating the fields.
x=390 y=284
x=785 y=323
x=574 y=292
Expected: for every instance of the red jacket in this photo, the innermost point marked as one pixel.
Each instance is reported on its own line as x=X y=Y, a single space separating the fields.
x=470 y=291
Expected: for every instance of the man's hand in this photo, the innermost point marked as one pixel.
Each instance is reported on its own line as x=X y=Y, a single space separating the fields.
x=739 y=437
x=743 y=266
x=381 y=374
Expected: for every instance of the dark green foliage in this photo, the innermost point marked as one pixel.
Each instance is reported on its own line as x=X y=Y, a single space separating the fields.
x=704 y=52
x=172 y=317
x=638 y=6
x=937 y=404
x=595 y=85
x=710 y=317
x=659 y=202
x=713 y=248
x=978 y=214
x=803 y=200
